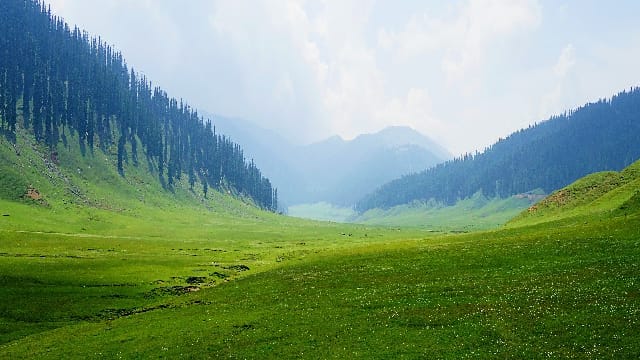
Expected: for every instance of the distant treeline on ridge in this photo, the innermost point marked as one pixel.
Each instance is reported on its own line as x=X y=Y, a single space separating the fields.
x=550 y=155
x=63 y=80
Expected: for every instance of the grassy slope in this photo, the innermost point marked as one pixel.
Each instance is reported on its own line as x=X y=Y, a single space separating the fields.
x=321 y=211
x=529 y=292
x=97 y=245
x=603 y=193
x=113 y=280
x=475 y=213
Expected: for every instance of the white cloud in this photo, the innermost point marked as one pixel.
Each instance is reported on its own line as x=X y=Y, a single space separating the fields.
x=309 y=69
x=414 y=110
x=463 y=40
x=554 y=100
x=463 y=71
x=565 y=62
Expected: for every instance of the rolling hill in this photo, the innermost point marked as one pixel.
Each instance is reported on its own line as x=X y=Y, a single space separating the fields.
x=605 y=193
x=176 y=279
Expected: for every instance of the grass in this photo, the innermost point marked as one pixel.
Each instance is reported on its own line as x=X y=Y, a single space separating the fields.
x=125 y=264
x=105 y=266
x=597 y=194
x=475 y=213
x=528 y=292
x=322 y=211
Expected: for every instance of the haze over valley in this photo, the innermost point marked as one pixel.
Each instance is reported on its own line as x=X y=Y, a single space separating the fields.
x=334 y=170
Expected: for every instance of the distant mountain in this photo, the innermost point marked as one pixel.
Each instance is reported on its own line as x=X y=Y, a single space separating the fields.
x=596 y=137
x=340 y=172
x=334 y=170
x=268 y=149
x=399 y=137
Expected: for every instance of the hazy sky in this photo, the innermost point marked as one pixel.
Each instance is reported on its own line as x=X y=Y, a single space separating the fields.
x=462 y=72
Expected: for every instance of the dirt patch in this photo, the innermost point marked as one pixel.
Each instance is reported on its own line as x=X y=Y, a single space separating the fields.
x=237 y=329
x=196 y=279
x=112 y=314
x=172 y=290
x=33 y=193
x=219 y=275
x=237 y=267
x=560 y=198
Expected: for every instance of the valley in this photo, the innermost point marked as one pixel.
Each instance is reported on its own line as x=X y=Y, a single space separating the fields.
x=133 y=225
x=218 y=277
x=272 y=287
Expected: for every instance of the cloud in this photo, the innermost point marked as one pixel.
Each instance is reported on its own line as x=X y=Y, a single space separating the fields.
x=319 y=57
x=565 y=62
x=306 y=69
x=463 y=38
x=555 y=99
x=480 y=25
x=462 y=71
x=279 y=64
x=415 y=110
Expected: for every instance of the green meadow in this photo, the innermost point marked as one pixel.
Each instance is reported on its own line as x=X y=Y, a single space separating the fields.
x=298 y=289
x=475 y=213
x=104 y=266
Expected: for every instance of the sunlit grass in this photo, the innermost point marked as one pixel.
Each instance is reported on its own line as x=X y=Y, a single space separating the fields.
x=129 y=269
x=565 y=291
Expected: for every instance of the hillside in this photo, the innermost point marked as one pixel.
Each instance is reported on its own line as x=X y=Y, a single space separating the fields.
x=552 y=154
x=69 y=90
x=475 y=213
x=182 y=281
x=85 y=184
x=604 y=193
x=274 y=153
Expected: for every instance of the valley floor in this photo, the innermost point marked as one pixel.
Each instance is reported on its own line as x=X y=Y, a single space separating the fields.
x=196 y=284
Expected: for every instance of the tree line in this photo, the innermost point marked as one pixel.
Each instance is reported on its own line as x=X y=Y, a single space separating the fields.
x=549 y=155
x=62 y=80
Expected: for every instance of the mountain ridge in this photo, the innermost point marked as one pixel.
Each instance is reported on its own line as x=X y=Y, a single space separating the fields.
x=333 y=170
x=549 y=155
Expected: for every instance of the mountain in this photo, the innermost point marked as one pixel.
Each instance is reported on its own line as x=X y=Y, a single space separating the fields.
x=334 y=170
x=58 y=84
x=269 y=150
x=550 y=155
x=340 y=172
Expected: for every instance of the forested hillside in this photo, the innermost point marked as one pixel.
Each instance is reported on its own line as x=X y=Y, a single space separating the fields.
x=550 y=155
x=56 y=81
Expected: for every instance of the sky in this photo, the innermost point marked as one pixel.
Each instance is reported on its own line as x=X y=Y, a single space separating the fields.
x=463 y=72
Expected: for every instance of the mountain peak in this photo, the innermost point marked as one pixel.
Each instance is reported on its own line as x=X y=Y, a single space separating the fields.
x=397 y=136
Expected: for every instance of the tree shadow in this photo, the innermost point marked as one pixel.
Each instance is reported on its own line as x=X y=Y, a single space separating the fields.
x=9 y=135
x=83 y=147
